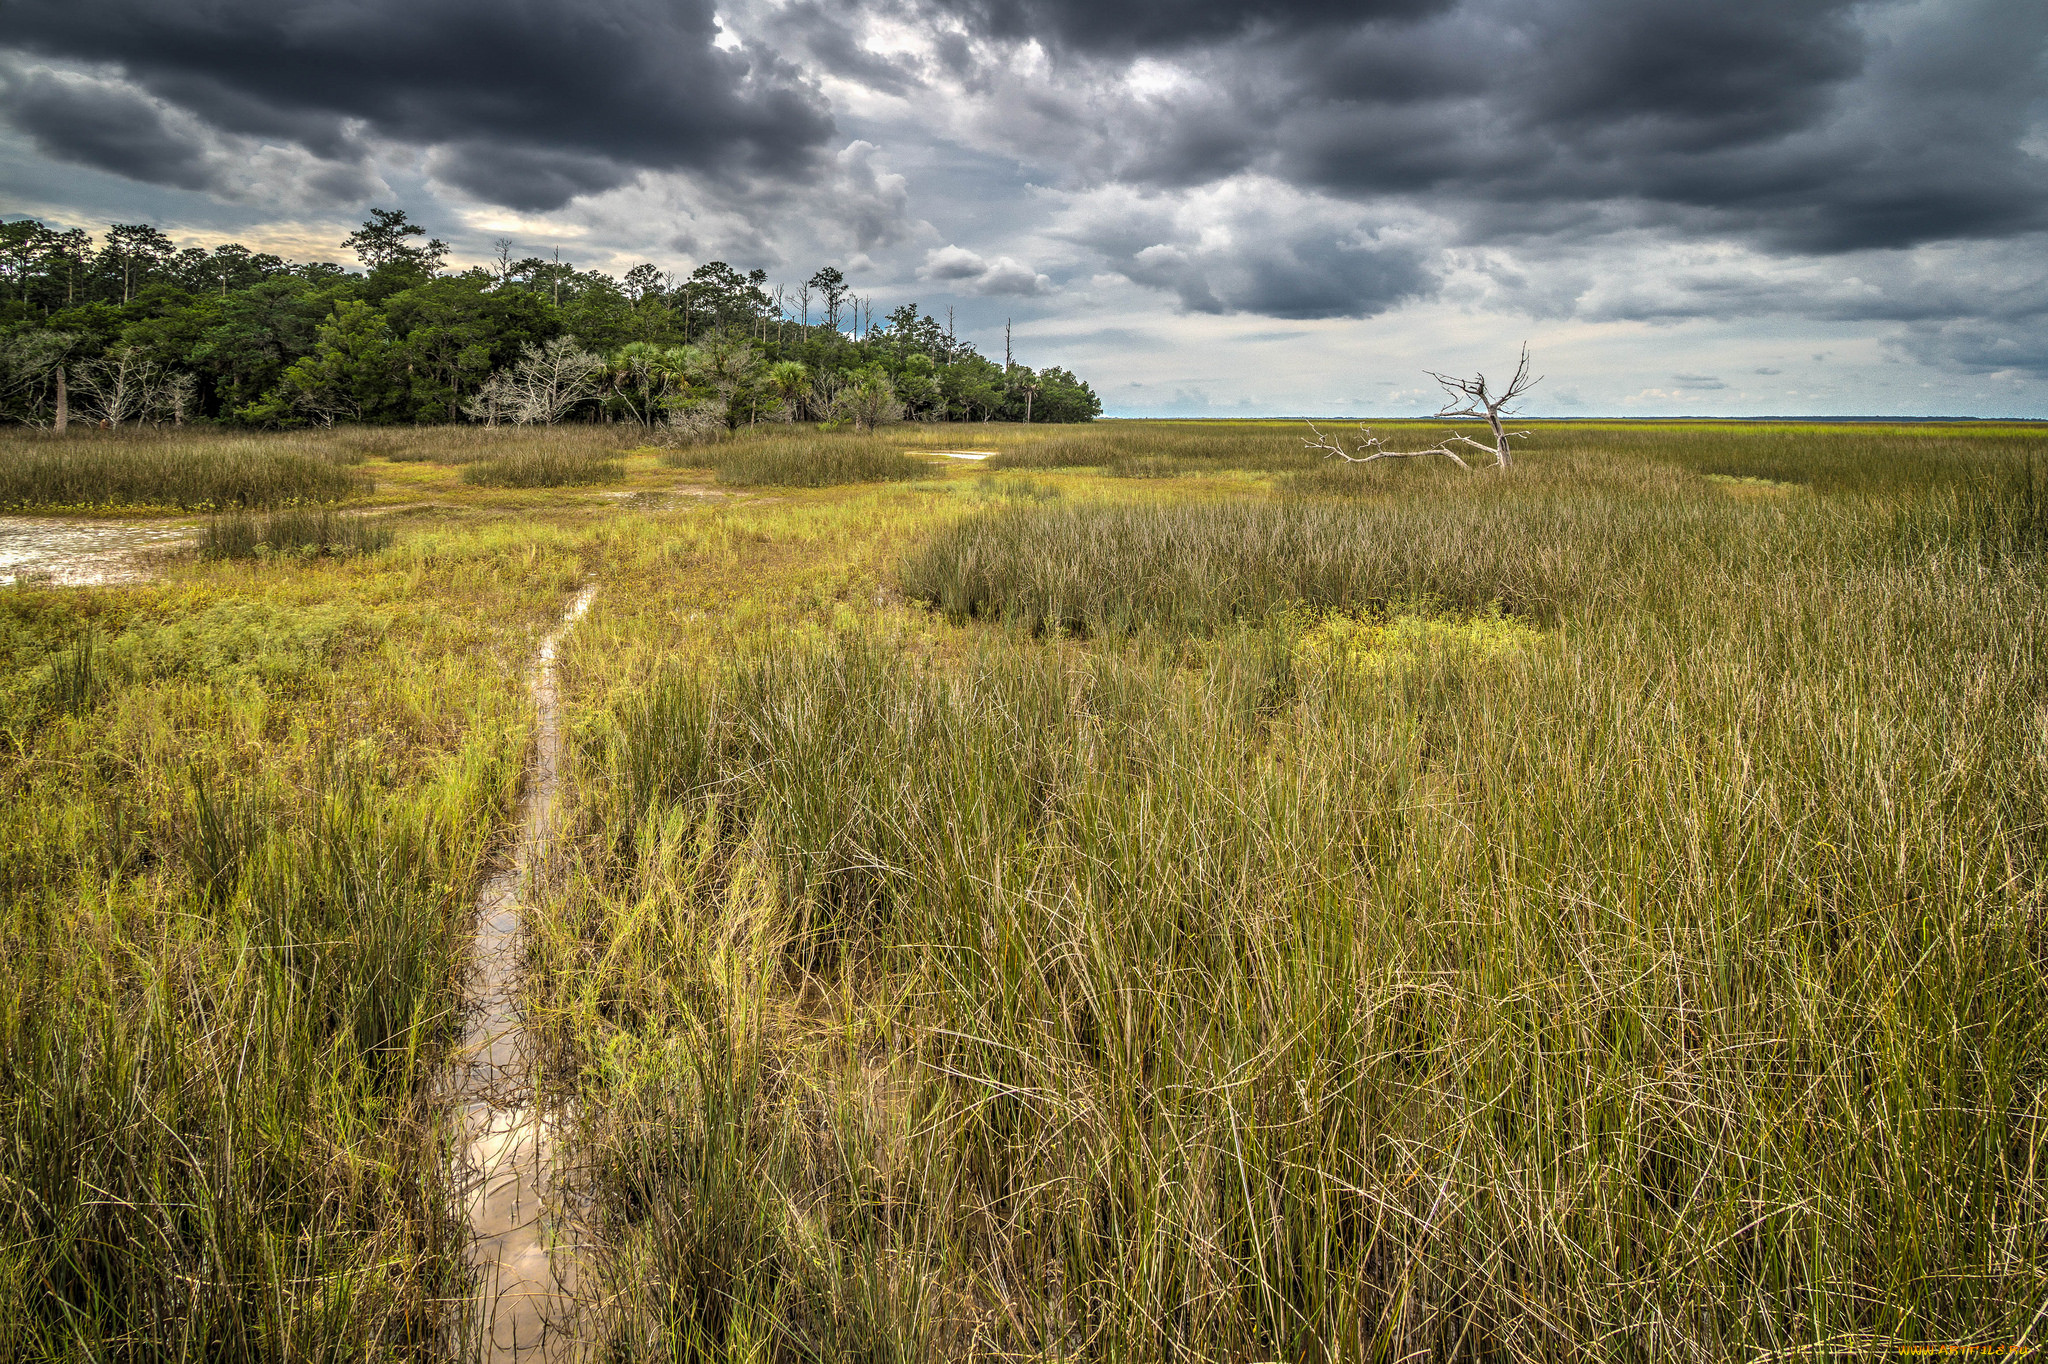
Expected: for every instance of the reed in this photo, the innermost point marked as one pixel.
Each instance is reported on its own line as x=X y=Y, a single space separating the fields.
x=805 y=460
x=184 y=471
x=302 y=533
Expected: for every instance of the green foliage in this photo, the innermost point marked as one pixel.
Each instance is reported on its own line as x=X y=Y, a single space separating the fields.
x=350 y=376
x=273 y=344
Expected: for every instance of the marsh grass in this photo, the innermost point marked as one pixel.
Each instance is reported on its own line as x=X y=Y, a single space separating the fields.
x=1158 y=449
x=1592 y=912
x=241 y=821
x=1196 y=567
x=1259 y=1010
x=171 y=1179
x=807 y=459
x=1322 y=964
x=188 y=471
x=548 y=465
x=296 y=532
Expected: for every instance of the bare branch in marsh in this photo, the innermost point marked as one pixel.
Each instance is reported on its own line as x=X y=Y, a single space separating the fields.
x=1468 y=398
x=1371 y=448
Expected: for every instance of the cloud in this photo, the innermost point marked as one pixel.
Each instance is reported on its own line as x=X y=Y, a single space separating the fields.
x=969 y=272
x=106 y=125
x=1800 y=125
x=1862 y=178
x=1975 y=346
x=1151 y=25
x=1697 y=381
x=527 y=105
x=1255 y=247
x=99 y=120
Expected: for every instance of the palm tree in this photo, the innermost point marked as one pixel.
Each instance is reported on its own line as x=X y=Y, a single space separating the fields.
x=790 y=382
x=649 y=379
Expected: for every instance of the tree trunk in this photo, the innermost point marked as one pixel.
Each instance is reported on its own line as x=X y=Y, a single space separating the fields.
x=63 y=401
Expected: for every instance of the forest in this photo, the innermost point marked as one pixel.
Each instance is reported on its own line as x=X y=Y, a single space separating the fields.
x=133 y=328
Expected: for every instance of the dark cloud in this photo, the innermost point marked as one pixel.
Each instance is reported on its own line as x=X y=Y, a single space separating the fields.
x=530 y=103
x=1259 y=249
x=1309 y=276
x=1305 y=278
x=835 y=49
x=1802 y=125
x=107 y=127
x=1151 y=25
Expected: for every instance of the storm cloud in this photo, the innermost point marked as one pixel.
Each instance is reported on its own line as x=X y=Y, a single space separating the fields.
x=526 y=104
x=1879 y=167
x=107 y=125
x=1805 y=125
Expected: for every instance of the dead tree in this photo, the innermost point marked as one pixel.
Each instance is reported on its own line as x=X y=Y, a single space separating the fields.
x=1469 y=398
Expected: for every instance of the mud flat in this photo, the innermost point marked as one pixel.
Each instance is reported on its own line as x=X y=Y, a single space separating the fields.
x=82 y=553
x=505 y=1157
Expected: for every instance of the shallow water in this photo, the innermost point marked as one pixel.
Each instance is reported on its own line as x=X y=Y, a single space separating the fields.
x=505 y=1154
x=81 y=553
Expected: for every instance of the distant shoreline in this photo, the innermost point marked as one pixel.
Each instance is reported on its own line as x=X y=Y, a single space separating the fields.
x=1637 y=421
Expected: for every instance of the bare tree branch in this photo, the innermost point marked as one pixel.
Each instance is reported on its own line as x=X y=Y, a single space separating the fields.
x=1470 y=398
x=1371 y=448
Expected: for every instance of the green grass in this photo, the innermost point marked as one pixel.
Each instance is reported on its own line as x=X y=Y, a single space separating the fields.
x=1157 y=449
x=1343 y=968
x=1268 y=911
x=241 y=822
x=92 y=470
x=1196 y=567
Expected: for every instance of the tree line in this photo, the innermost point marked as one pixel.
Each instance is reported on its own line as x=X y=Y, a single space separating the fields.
x=133 y=328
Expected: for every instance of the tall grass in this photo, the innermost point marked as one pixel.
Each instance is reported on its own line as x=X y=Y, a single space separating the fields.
x=306 y=534
x=182 y=470
x=1149 y=449
x=807 y=460
x=1197 y=567
x=240 y=827
x=1666 y=982
x=546 y=466
x=215 y=1140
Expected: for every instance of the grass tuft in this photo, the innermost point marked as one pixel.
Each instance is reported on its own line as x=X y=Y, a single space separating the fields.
x=806 y=460
x=146 y=469
x=293 y=533
x=546 y=466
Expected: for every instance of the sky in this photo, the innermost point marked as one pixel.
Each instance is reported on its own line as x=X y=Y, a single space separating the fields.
x=1747 y=207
